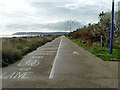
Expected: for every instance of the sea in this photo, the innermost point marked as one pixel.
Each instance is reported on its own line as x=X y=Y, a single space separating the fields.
x=10 y=36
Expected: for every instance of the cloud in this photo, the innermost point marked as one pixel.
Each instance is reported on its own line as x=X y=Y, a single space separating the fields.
x=58 y=26
x=50 y=15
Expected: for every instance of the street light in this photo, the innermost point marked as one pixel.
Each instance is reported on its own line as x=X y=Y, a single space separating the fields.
x=112 y=28
x=118 y=19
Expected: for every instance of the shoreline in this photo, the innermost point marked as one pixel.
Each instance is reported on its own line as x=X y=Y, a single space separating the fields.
x=10 y=36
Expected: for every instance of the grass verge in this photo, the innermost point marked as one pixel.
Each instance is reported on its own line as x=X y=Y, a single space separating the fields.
x=102 y=53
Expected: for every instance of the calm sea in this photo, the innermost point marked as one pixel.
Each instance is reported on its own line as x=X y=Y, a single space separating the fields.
x=9 y=36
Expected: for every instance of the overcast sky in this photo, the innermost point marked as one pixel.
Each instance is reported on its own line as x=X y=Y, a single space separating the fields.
x=49 y=15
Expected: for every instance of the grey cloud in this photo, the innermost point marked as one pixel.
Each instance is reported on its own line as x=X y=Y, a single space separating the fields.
x=57 y=10
x=61 y=26
x=44 y=12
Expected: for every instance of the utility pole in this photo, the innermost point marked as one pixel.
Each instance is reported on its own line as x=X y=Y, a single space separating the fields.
x=70 y=24
x=112 y=28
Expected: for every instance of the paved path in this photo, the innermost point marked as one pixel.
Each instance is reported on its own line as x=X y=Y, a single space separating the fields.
x=60 y=64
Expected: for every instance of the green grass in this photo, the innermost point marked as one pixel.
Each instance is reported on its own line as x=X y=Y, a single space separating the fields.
x=102 y=53
x=13 y=49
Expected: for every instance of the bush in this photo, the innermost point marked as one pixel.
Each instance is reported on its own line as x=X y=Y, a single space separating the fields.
x=15 y=48
x=10 y=54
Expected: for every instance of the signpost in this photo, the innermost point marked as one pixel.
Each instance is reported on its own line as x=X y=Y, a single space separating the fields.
x=112 y=27
x=101 y=37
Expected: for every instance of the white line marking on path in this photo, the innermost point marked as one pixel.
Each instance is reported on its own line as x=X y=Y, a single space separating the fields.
x=53 y=67
x=75 y=53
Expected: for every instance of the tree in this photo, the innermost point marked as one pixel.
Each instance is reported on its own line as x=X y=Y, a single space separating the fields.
x=85 y=26
x=89 y=24
x=103 y=28
x=101 y=14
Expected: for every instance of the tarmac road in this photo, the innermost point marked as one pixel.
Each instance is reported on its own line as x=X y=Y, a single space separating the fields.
x=60 y=64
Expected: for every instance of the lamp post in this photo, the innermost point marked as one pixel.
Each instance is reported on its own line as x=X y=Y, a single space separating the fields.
x=118 y=19
x=112 y=28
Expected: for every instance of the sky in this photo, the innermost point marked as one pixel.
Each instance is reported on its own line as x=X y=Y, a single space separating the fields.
x=49 y=15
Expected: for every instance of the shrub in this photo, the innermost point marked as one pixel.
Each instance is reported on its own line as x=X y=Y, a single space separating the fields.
x=15 y=48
